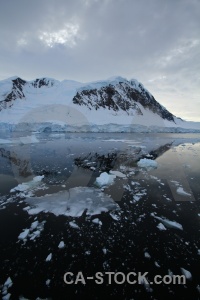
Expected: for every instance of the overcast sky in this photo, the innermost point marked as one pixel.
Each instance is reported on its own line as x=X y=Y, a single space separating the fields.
x=155 y=41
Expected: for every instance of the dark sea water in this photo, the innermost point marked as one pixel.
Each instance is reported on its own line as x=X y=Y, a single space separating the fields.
x=146 y=220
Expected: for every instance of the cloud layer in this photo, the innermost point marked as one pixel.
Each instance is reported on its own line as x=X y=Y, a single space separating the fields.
x=156 y=42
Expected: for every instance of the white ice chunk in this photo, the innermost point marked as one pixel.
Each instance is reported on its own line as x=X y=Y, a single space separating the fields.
x=28 y=185
x=26 y=208
x=118 y=174
x=104 y=250
x=181 y=191
x=160 y=226
x=74 y=225
x=135 y=183
x=149 y=155
x=137 y=197
x=157 y=264
x=175 y=182
x=147 y=255
x=147 y=163
x=24 y=234
x=114 y=216
x=61 y=245
x=34 y=235
x=8 y=283
x=48 y=282
x=73 y=202
x=105 y=179
x=49 y=257
x=168 y=223
x=186 y=273
x=33 y=232
x=97 y=221
x=34 y=225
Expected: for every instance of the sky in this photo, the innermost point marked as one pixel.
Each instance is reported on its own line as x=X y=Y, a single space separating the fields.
x=156 y=42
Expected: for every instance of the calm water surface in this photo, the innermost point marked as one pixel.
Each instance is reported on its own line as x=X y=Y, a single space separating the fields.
x=152 y=222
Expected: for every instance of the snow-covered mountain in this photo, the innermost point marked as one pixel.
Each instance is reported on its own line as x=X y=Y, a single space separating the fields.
x=116 y=104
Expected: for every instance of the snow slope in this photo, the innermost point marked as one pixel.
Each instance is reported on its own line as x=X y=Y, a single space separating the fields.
x=115 y=104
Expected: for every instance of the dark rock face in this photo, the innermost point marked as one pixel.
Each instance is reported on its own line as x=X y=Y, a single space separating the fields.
x=18 y=87
x=38 y=83
x=121 y=96
x=106 y=97
x=16 y=93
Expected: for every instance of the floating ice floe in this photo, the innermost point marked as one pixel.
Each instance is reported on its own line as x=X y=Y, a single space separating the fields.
x=149 y=155
x=135 y=183
x=138 y=196
x=104 y=250
x=24 y=234
x=175 y=182
x=168 y=223
x=34 y=225
x=73 y=202
x=105 y=179
x=147 y=163
x=147 y=255
x=8 y=283
x=61 y=245
x=48 y=281
x=74 y=225
x=26 y=186
x=118 y=174
x=181 y=192
x=161 y=227
x=33 y=232
x=49 y=257
x=157 y=264
x=97 y=221
x=115 y=216
x=6 y=297
x=186 y=273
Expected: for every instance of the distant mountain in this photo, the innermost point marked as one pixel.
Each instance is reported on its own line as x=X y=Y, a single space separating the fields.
x=17 y=88
x=116 y=104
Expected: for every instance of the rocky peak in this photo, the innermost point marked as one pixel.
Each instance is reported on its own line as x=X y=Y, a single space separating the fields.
x=43 y=82
x=120 y=94
x=16 y=93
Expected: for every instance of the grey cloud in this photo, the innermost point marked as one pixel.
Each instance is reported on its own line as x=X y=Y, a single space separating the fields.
x=115 y=37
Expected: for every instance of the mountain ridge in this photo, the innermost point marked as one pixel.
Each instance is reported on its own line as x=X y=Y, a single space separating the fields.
x=113 y=101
